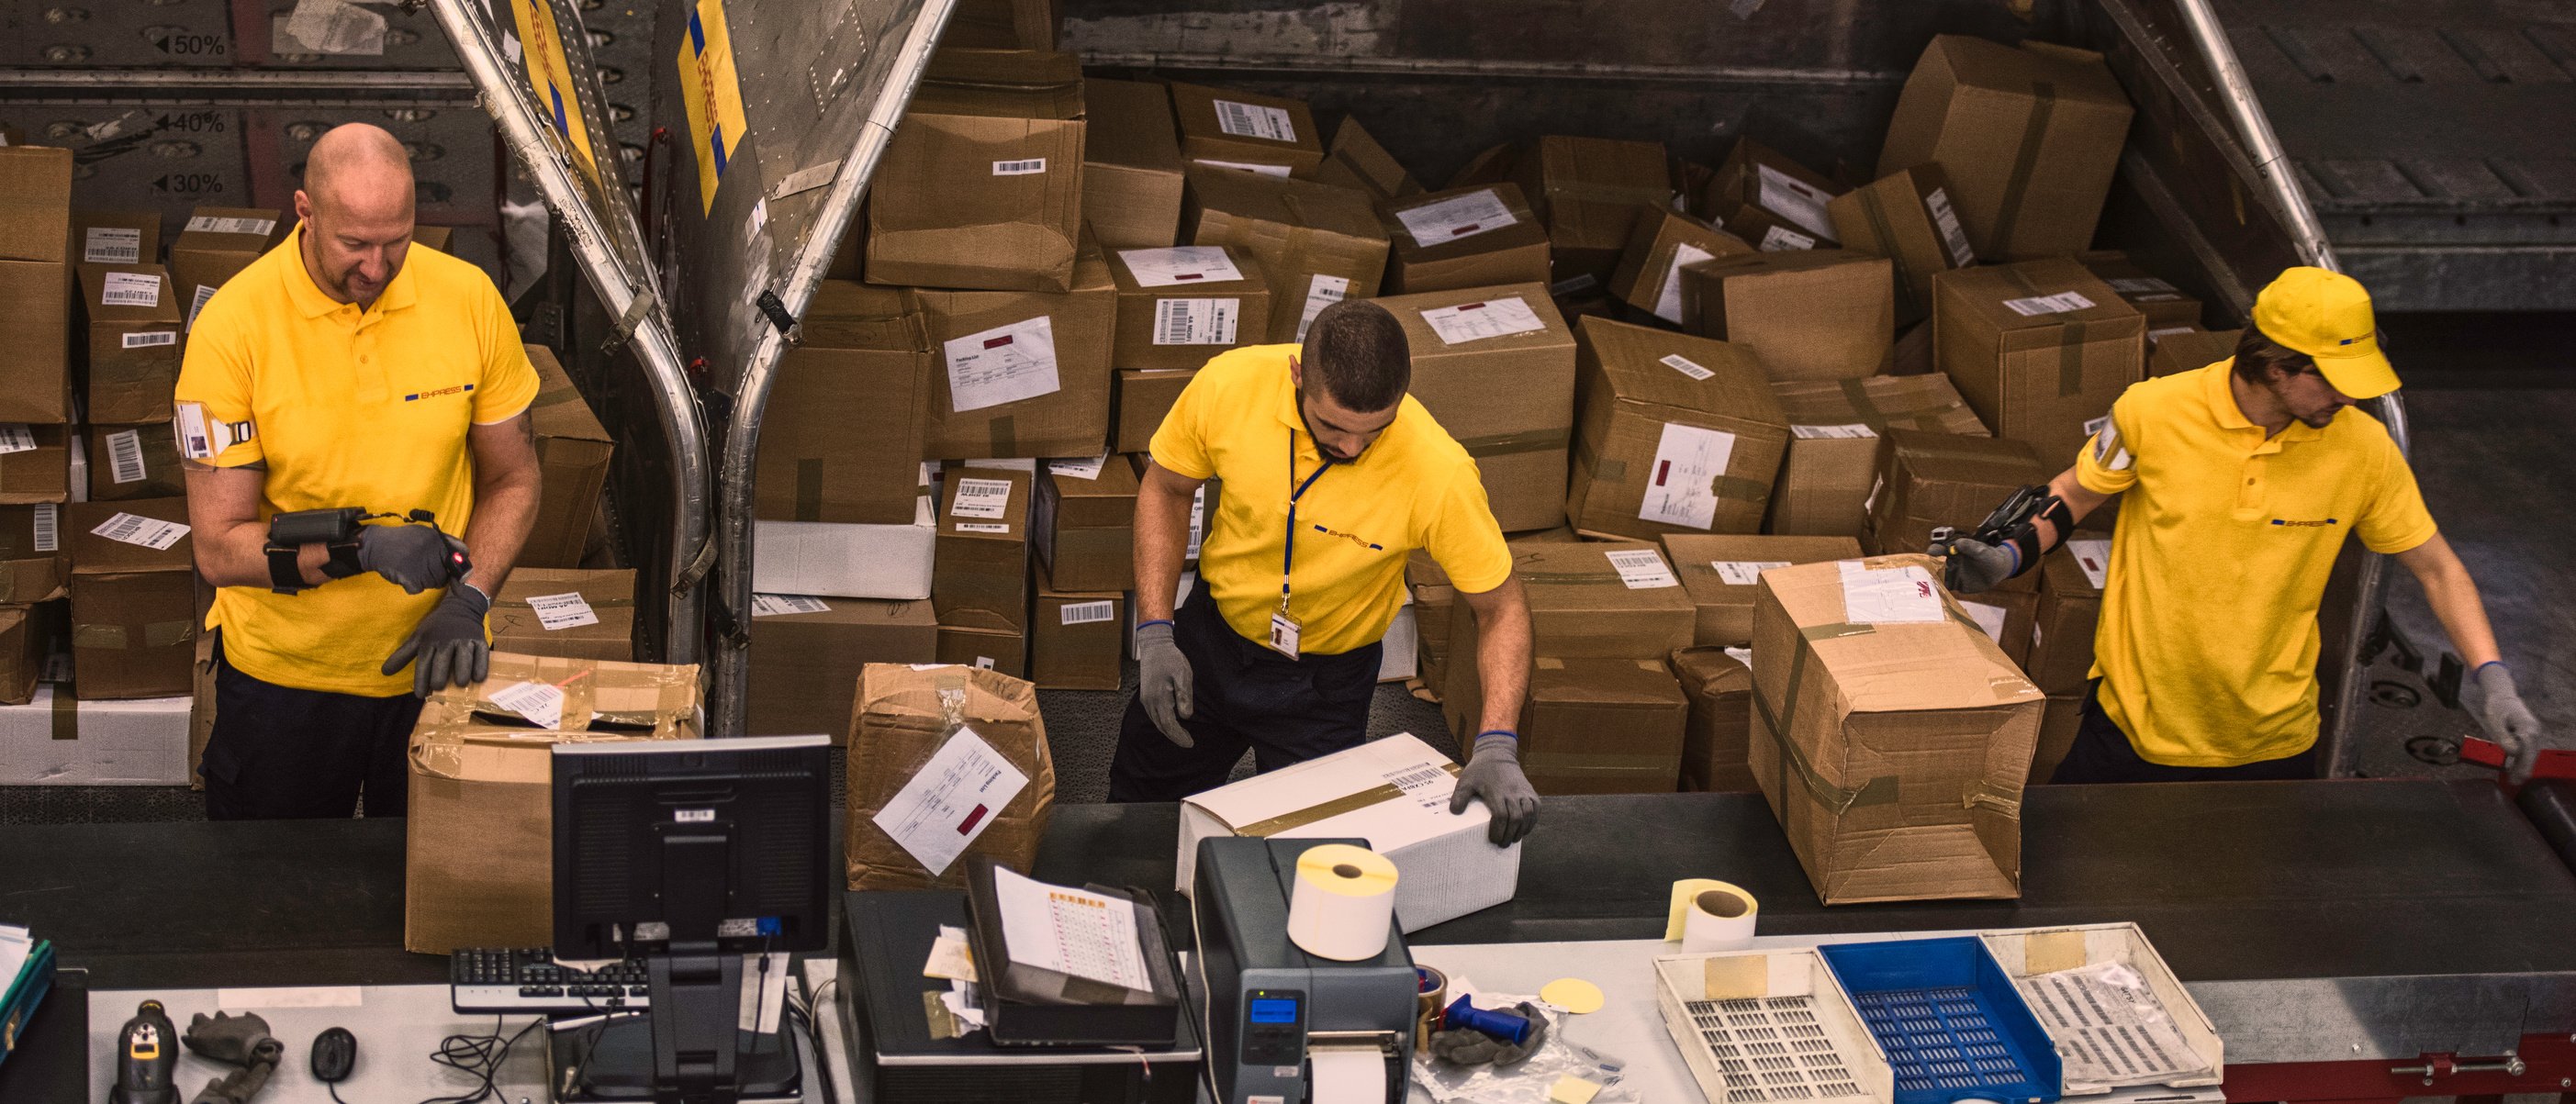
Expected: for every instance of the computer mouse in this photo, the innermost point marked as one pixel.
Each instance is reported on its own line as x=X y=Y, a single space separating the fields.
x=335 y=1053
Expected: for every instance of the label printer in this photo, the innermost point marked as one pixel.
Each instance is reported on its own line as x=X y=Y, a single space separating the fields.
x=1284 y=1025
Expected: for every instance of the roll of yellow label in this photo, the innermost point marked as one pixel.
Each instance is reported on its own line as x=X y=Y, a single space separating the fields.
x=1343 y=906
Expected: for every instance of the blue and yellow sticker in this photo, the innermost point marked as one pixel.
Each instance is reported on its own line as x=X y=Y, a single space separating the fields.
x=550 y=77
x=712 y=95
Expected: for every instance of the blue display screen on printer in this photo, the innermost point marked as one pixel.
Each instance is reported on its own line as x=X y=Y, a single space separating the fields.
x=1274 y=1010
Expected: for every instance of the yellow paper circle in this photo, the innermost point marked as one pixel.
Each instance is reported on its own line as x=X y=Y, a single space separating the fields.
x=1573 y=995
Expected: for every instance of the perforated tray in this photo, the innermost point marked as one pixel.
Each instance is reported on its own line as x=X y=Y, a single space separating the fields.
x=2023 y=952
x=1948 y=1020
x=1768 y=1027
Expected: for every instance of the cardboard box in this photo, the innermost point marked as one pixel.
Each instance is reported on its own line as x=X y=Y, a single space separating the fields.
x=438 y=238
x=846 y=561
x=1594 y=726
x=2005 y=617
x=54 y=741
x=1356 y=160
x=132 y=321
x=479 y=840
x=1084 y=526
x=1179 y=306
x=1495 y=366
x=563 y=612
x=1929 y=480
x=981 y=575
x=1896 y=768
x=900 y=725
x=2164 y=305
x=1432 y=596
x=134 y=622
x=1675 y=434
x=101 y=236
x=136 y=461
x=42 y=474
x=1445 y=867
x=1131 y=164
x=1316 y=244
x=1717 y=739
x=1400 y=658
x=2029 y=136
x=1591 y=192
x=1763 y=197
x=1833 y=446
x=1020 y=373
x=35 y=379
x=2177 y=353
x=28 y=634
x=807 y=655
x=1809 y=314
x=1649 y=276
x=1723 y=575
x=1077 y=639
x=1907 y=217
x=840 y=440
x=573 y=451
x=1142 y=398
x=35 y=203
x=2069 y=609
x=35 y=562
x=1493 y=164
x=1465 y=238
x=218 y=242
x=981 y=186
x=1584 y=604
x=2038 y=349
x=1001 y=25
x=2058 y=723
x=1002 y=651
x=1246 y=131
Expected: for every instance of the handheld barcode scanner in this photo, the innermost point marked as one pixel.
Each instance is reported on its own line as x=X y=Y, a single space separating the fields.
x=2009 y=524
x=147 y=1058
x=338 y=529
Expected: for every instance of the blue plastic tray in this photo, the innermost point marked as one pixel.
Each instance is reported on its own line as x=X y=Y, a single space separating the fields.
x=1953 y=1026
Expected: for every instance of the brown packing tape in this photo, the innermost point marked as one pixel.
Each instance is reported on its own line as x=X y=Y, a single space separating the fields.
x=2025 y=161
x=1863 y=404
x=1326 y=809
x=1596 y=191
x=162 y=634
x=1736 y=488
x=1736 y=977
x=1004 y=435
x=1503 y=444
x=2070 y=358
x=99 y=636
x=1880 y=790
x=66 y=712
x=809 y=488
x=1876 y=208
x=1610 y=471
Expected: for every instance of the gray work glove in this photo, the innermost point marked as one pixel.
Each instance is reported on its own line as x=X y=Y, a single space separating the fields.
x=413 y=557
x=1164 y=684
x=241 y=1040
x=2509 y=722
x=448 y=648
x=1974 y=567
x=1494 y=776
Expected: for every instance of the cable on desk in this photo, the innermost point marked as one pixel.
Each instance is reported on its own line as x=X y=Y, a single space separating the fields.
x=478 y=1056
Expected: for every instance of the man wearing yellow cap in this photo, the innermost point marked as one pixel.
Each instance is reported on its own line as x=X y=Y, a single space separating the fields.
x=2241 y=482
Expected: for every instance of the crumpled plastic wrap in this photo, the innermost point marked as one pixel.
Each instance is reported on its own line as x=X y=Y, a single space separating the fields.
x=1561 y=1054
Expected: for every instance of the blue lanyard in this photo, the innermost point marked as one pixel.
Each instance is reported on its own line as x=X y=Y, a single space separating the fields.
x=1288 y=547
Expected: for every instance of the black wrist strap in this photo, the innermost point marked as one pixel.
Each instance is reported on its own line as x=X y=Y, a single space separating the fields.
x=344 y=560
x=285 y=576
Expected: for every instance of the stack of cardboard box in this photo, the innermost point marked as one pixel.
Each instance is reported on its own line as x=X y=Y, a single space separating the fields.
x=1495 y=366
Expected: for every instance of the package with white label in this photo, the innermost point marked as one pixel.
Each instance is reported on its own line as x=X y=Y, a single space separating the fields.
x=945 y=761
x=1678 y=434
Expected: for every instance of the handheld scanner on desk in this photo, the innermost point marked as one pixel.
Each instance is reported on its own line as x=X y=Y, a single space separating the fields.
x=1271 y=1006
x=147 y=1058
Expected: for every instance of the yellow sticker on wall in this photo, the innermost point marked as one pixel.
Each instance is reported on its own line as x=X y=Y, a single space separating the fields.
x=550 y=76
x=712 y=95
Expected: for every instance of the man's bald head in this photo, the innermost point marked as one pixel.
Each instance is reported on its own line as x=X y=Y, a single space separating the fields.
x=356 y=206
x=358 y=168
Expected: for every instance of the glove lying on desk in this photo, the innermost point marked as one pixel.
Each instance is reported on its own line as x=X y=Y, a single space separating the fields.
x=241 y=1040
x=1466 y=1047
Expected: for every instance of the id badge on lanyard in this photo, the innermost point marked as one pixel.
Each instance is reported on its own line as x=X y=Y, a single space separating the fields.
x=1285 y=628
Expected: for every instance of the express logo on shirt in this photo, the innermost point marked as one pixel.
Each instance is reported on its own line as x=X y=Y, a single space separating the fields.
x=1351 y=537
x=2318 y=524
x=459 y=389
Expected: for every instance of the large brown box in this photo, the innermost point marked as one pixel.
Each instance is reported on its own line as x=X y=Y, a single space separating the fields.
x=981 y=186
x=805 y=663
x=1142 y=399
x=35 y=560
x=1131 y=165
x=1809 y=314
x=2037 y=348
x=2060 y=657
x=1907 y=217
x=2177 y=353
x=1929 y=480
x=1892 y=752
x=1723 y=574
x=216 y=243
x=1777 y=204
x=42 y=473
x=1673 y=434
x=131 y=462
x=1495 y=366
x=840 y=440
x=1716 y=742
x=1077 y=639
x=35 y=379
x=134 y=625
x=102 y=236
x=1317 y=244
x=1001 y=25
x=900 y=722
x=2029 y=136
x=35 y=204
x=133 y=321
x=1465 y=238
x=1020 y=373
x=1084 y=526
x=2058 y=723
x=998 y=650
x=1591 y=192
x=1246 y=132
x=1356 y=160
x=1649 y=276
x=2165 y=306
x=535 y=595
x=1594 y=726
x=980 y=573
x=1581 y=607
x=1180 y=306
x=573 y=451
x=1833 y=447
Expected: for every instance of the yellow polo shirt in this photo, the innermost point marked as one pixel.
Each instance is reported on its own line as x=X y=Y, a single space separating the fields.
x=1414 y=487
x=347 y=408
x=2207 y=649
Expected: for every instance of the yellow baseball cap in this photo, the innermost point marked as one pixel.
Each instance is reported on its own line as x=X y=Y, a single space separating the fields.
x=2327 y=316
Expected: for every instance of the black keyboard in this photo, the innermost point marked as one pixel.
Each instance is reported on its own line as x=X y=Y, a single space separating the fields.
x=519 y=980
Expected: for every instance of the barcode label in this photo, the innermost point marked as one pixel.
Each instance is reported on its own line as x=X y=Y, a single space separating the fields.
x=985 y=662
x=209 y=224
x=1781 y=239
x=1030 y=167
x=774 y=605
x=2059 y=303
x=49 y=531
x=1078 y=469
x=1641 y=568
x=1815 y=432
x=1196 y=321
x=125 y=456
x=16 y=437
x=541 y=704
x=556 y=612
x=203 y=293
x=1953 y=236
x=130 y=289
x=151 y=339
x=136 y=529
x=1687 y=367
x=1417 y=778
x=1089 y=613
x=112 y=245
x=981 y=498
x=1243 y=166
x=1744 y=572
x=1244 y=120
x=983 y=527
x=1322 y=292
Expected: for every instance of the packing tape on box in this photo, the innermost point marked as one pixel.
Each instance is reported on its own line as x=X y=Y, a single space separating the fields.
x=1875 y=209
x=1734 y=488
x=1002 y=434
x=1322 y=810
x=66 y=712
x=1602 y=191
x=1879 y=790
x=1342 y=905
x=809 y=488
x=1503 y=444
x=2034 y=133
x=153 y=634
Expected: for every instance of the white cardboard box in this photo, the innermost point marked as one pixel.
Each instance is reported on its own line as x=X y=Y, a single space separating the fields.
x=1403 y=642
x=831 y=560
x=1444 y=866
x=139 y=742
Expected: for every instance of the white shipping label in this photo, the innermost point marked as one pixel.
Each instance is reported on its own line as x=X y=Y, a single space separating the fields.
x=1244 y=120
x=951 y=799
x=1196 y=321
x=1681 y=488
x=150 y=339
x=2059 y=303
x=1004 y=364
x=136 y=529
x=112 y=245
x=2154 y=336
x=1781 y=239
x=539 y=703
x=1089 y=613
x=1794 y=199
x=2092 y=554
x=1321 y=292
x=1198 y=519
x=210 y=224
x=16 y=437
x=1889 y=596
x=983 y=527
x=49 y=527
x=1078 y=469
x=1954 y=237
x=1741 y=655
x=982 y=498
x=1457 y=217
x=1668 y=298
x=1186 y=264
x=2094 y=425
x=199 y=303
x=1476 y=321
x=1686 y=366
x=1743 y=572
x=1852 y=431
x=130 y=289
x=2142 y=286
x=1242 y=166
x=1641 y=568
x=1989 y=618
x=125 y=457
x=1029 y=167
x=557 y=612
x=779 y=605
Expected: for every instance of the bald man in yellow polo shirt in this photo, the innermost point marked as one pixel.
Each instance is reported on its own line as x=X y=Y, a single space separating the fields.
x=1332 y=474
x=2242 y=480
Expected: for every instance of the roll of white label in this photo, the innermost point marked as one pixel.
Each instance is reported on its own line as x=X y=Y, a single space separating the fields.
x=1720 y=918
x=1343 y=906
